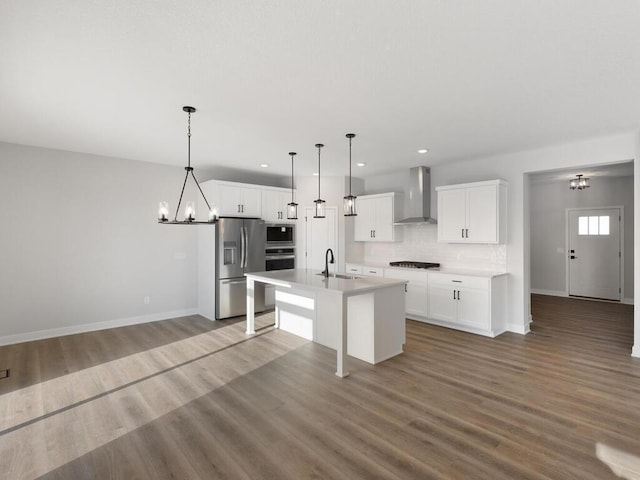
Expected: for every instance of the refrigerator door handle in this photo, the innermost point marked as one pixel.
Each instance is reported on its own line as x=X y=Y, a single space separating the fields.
x=233 y=282
x=245 y=245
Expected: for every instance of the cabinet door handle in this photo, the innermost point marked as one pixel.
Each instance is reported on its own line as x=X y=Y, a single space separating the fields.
x=370 y=233
x=458 y=294
x=462 y=233
x=466 y=232
x=454 y=294
x=238 y=209
x=405 y=288
x=374 y=234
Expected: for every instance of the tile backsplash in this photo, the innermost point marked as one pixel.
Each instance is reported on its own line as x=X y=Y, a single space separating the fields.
x=421 y=245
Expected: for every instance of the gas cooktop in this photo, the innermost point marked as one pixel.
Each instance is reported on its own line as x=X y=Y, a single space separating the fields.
x=409 y=264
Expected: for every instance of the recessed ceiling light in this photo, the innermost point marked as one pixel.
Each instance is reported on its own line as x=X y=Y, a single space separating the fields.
x=264 y=165
x=423 y=150
x=361 y=164
x=315 y=174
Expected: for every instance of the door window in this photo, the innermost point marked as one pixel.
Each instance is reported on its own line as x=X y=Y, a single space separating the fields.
x=593 y=225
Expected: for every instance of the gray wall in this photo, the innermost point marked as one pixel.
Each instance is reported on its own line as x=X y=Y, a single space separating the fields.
x=549 y=201
x=81 y=247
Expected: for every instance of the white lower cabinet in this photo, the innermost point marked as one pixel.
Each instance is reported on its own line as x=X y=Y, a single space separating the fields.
x=416 y=299
x=471 y=303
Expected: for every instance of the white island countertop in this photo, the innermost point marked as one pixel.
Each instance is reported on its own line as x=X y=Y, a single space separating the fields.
x=313 y=280
x=377 y=302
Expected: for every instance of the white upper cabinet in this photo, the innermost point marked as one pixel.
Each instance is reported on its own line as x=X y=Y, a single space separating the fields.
x=473 y=212
x=238 y=201
x=274 y=205
x=376 y=215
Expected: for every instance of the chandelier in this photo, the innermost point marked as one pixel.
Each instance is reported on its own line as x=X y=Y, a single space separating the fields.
x=189 y=214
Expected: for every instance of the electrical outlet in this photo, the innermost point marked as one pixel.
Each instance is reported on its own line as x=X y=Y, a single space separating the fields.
x=147 y=300
x=4 y=373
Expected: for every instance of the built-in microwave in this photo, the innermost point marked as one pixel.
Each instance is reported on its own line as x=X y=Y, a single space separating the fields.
x=280 y=234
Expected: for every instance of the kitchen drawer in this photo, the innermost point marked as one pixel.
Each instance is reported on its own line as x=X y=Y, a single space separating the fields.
x=372 y=271
x=407 y=274
x=449 y=279
x=353 y=268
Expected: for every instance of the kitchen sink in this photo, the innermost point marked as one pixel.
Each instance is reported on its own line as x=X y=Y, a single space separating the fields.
x=343 y=276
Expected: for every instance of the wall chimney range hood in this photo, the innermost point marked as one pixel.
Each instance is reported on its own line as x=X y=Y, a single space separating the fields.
x=419 y=200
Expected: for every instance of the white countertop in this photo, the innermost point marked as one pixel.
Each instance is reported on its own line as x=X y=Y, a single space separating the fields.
x=452 y=271
x=311 y=280
x=467 y=272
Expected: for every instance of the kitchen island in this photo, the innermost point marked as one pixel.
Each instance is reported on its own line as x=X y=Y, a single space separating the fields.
x=359 y=316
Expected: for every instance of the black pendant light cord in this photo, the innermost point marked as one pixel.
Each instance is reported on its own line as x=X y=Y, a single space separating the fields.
x=350 y=136
x=319 y=145
x=189 y=168
x=292 y=187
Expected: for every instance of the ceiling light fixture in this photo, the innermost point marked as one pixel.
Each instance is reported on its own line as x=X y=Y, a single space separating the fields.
x=190 y=207
x=264 y=165
x=320 y=204
x=423 y=150
x=292 y=208
x=361 y=164
x=579 y=183
x=350 y=200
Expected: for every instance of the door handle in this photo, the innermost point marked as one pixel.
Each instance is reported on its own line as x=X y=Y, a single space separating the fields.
x=573 y=257
x=232 y=282
x=243 y=247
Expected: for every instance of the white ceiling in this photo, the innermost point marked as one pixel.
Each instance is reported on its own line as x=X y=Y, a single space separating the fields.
x=462 y=78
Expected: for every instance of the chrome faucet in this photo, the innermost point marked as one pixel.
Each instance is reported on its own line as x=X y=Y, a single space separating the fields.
x=325 y=272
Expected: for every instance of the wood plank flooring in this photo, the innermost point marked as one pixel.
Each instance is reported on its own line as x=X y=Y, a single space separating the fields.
x=188 y=399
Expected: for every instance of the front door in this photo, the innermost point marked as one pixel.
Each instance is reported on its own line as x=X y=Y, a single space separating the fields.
x=595 y=253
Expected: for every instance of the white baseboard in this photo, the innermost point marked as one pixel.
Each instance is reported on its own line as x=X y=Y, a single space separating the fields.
x=91 y=327
x=521 y=329
x=553 y=293
x=558 y=293
x=635 y=351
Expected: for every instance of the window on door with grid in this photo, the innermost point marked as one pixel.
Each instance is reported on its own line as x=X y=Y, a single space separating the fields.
x=593 y=225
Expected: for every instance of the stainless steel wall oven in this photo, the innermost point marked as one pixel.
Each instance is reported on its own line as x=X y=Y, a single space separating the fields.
x=279 y=258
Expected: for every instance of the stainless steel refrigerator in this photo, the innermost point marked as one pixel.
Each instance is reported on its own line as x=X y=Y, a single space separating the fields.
x=240 y=244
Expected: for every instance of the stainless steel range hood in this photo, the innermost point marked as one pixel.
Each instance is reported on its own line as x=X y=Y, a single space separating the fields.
x=419 y=201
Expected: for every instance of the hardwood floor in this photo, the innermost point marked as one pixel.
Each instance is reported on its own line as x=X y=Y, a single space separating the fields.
x=188 y=399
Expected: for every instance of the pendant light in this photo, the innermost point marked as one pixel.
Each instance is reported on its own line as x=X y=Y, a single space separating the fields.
x=350 y=200
x=320 y=204
x=579 y=183
x=292 y=208
x=190 y=207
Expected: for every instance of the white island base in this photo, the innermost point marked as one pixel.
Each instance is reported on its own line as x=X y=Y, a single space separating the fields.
x=361 y=317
